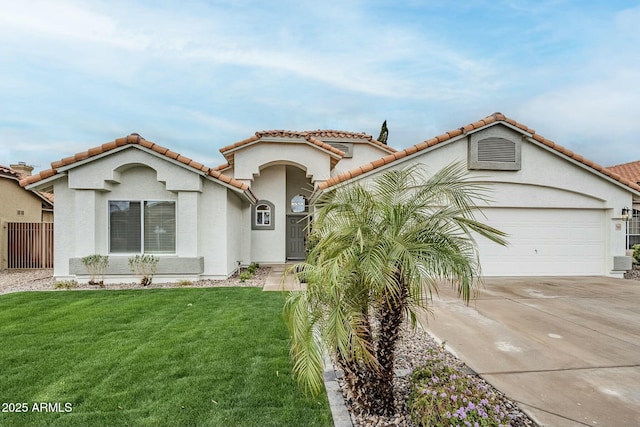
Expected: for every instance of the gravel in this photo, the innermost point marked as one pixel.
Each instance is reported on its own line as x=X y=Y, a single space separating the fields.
x=42 y=280
x=633 y=274
x=413 y=351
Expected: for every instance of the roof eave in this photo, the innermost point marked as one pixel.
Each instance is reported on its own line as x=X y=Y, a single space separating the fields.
x=45 y=184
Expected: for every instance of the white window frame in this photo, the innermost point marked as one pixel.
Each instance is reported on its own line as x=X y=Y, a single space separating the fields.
x=142 y=225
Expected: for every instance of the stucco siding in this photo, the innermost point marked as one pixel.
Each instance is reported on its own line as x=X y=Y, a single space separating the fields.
x=250 y=160
x=575 y=211
x=363 y=153
x=268 y=246
x=212 y=231
x=236 y=231
x=64 y=229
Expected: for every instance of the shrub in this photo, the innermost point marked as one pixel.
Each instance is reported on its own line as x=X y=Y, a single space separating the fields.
x=96 y=266
x=65 y=284
x=445 y=395
x=144 y=266
x=245 y=275
x=253 y=267
x=636 y=253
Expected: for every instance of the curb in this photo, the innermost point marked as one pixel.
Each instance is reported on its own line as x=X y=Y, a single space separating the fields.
x=339 y=412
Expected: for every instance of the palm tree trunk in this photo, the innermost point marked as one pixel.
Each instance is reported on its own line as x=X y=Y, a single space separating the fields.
x=361 y=378
x=391 y=316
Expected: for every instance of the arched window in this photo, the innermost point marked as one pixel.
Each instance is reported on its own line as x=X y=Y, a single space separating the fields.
x=262 y=216
x=298 y=204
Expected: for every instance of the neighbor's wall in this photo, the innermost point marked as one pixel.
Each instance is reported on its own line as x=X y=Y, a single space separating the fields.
x=13 y=199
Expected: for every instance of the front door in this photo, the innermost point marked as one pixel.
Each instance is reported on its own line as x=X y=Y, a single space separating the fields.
x=295 y=237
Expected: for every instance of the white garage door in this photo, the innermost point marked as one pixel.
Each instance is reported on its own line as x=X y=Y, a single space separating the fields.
x=544 y=242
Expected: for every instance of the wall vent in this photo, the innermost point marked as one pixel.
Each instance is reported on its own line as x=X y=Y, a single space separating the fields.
x=347 y=149
x=493 y=152
x=496 y=150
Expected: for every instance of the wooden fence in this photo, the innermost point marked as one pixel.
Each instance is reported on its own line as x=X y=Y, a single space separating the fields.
x=30 y=245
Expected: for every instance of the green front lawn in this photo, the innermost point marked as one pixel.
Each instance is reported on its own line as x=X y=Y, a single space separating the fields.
x=166 y=357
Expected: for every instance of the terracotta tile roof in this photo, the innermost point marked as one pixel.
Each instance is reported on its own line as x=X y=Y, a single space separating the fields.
x=282 y=134
x=133 y=139
x=630 y=171
x=8 y=172
x=496 y=117
x=338 y=134
x=49 y=196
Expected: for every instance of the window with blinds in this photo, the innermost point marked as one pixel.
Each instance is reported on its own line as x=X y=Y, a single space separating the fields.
x=142 y=227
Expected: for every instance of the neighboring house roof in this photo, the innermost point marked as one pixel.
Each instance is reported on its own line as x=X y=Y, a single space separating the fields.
x=496 y=117
x=6 y=172
x=630 y=171
x=133 y=139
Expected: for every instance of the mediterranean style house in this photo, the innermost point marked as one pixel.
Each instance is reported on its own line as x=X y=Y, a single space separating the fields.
x=564 y=214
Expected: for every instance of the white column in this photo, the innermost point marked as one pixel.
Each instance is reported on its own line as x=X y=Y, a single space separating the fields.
x=187 y=224
x=85 y=222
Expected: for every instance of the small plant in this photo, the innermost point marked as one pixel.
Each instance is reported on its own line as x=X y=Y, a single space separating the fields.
x=65 y=284
x=144 y=266
x=185 y=283
x=245 y=275
x=253 y=267
x=444 y=395
x=96 y=266
x=636 y=253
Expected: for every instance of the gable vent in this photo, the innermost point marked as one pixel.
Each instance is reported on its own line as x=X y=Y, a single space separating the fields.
x=346 y=149
x=496 y=150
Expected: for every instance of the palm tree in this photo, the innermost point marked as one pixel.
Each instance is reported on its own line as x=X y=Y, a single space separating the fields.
x=381 y=251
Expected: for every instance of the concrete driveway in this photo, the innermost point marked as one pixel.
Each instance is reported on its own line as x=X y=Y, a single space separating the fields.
x=567 y=349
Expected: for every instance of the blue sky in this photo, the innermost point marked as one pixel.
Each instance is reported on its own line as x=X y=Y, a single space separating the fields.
x=195 y=76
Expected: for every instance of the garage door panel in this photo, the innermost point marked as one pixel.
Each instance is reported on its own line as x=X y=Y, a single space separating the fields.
x=544 y=242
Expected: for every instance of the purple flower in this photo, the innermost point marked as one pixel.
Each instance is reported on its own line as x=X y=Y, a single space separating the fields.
x=443 y=394
x=471 y=406
x=454 y=398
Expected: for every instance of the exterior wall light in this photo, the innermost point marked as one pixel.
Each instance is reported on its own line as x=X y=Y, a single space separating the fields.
x=625 y=213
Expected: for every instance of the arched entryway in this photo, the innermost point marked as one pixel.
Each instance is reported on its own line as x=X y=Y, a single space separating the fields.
x=298 y=189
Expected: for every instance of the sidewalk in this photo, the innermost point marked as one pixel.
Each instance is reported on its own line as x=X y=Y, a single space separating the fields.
x=274 y=281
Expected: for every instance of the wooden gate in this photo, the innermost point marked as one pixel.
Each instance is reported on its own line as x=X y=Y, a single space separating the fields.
x=30 y=245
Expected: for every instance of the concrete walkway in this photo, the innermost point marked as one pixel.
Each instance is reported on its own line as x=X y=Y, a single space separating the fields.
x=566 y=349
x=277 y=281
